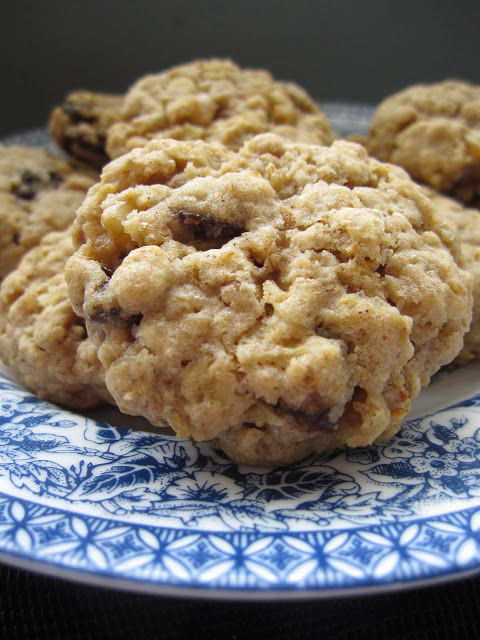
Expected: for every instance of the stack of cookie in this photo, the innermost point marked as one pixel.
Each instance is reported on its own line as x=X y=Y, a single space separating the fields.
x=238 y=273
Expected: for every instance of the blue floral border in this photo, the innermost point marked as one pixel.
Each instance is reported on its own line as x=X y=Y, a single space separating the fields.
x=243 y=561
x=380 y=539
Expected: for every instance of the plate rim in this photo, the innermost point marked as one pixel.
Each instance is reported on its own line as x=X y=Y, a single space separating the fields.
x=88 y=579
x=193 y=586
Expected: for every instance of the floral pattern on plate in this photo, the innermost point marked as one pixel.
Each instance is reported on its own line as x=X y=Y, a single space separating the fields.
x=88 y=496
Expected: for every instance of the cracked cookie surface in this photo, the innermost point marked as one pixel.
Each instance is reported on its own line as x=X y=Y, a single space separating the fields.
x=467 y=221
x=432 y=131
x=41 y=339
x=80 y=124
x=215 y=100
x=277 y=301
x=38 y=193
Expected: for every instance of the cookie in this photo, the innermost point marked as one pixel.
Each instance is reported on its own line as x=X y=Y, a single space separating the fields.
x=41 y=339
x=38 y=193
x=284 y=299
x=433 y=131
x=215 y=100
x=468 y=223
x=79 y=126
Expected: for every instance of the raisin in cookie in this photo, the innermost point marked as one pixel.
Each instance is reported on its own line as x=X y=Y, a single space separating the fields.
x=284 y=299
x=215 y=100
x=38 y=193
x=433 y=131
x=467 y=222
x=79 y=126
x=41 y=339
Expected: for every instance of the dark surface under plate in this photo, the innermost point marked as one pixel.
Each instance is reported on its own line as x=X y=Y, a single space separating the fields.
x=34 y=607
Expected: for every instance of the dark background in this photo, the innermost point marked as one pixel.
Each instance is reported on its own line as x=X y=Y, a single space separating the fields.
x=337 y=49
x=39 y=608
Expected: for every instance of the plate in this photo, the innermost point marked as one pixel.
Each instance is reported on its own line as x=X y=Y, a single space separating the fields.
x=86 y=497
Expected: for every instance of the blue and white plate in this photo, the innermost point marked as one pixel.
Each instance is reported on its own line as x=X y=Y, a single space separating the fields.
x=109 y=505
x=84 y=498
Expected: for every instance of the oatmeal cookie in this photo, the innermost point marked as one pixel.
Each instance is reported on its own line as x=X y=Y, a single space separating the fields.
x=467 y=222
x=38 y=193
x=433 y=131
x=284 y=299
x=41 y=339
x=218 y=101
x=79 y=126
